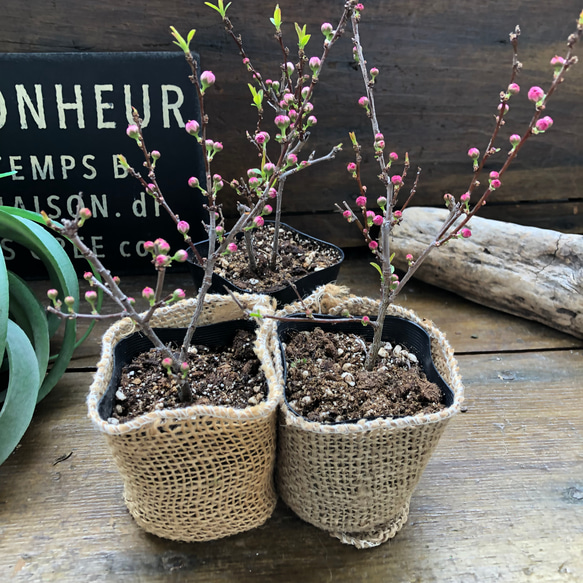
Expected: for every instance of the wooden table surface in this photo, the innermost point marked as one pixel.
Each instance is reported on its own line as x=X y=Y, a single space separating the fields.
x=501 y=500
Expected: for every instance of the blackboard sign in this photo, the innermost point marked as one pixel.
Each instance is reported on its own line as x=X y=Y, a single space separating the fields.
x=63 y=120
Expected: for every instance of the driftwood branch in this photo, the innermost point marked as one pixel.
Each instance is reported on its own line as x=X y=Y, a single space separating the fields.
x=529 y=272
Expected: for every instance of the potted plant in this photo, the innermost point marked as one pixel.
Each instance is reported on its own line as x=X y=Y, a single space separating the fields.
x=347 y=461
x=270 y=253
x=218 y=452
x=28 y=371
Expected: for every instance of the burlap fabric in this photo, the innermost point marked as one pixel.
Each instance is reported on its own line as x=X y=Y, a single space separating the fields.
x=201 y=472
x=355 y=480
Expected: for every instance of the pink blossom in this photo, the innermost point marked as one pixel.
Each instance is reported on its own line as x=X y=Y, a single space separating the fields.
x=361 y=201
x=381 y=201
x=88 y=276
x=494 y=174
x=506 y=107
x=380 y=144
x=183 y=227
x=292 y=159
x=85 y=213
x=149 y=246
x=272 y=193
x=179 y=294
x=363 y=101
x=193 y=182
x=219 y=229
x=133 y=131
x=181 y=256
x=557 y=61
x=192 y=127
x=217 y=178
x=513 y=88
x=515 y=139
x=267 y=209
x=218 y=146
x=308 y=107
x=466 y=233
x=305 y=92
x=254 y=182
x=370 y=214
x=207 y=79
x=397 y=180
x=167 y=363
x=393 y=156
x=535 y=94
x=232 y=247
x=312 y=120
x=184 y=366
x=90 y=296
x=378 y=220
x=155 y=154
x=162 y=245
x=293 y=114
x=465 y=197
x=148 y=293
x=327 y=29
x=351 y=167
x=269 y=168
x=314 y=64
x=162 y=260
x=474 y=153
x=259 y=221
x=409 y=257
x=288 y=98
x=346 y=214
x=359 y=7
x=262 y=138
x=494 y=184
x=379 y=136
x=289 y=67
x=373 y=245
x=374 y=72
x=397 y=214
x=282 y=121
x=543 y=124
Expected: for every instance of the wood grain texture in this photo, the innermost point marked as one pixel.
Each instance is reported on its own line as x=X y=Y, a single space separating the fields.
x=529 y=272
x=442 y=68
x=501 y=500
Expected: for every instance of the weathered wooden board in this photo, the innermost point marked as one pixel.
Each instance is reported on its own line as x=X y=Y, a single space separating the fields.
x=442 y=68
x=501 y=500
x=529 y=272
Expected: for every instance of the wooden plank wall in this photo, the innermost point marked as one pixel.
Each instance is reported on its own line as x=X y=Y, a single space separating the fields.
x=442 y=66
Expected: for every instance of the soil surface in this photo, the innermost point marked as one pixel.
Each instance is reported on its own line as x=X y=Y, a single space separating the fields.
x=230 y=376
x=326 y=381
x=298 y=256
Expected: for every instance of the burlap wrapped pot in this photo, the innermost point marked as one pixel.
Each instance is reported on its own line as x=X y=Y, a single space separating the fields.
x=201 y=472
x=355 y=480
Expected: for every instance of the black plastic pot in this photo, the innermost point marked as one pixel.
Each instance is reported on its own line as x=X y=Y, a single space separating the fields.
x=305 y=285
x=395 y=330
x=212 y=335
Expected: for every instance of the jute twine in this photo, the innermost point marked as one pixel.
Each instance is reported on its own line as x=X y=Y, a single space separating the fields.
x=355 y=480
x=201 y=472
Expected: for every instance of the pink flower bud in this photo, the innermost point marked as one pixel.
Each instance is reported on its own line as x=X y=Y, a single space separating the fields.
x=409 y=257
x=254 y=182
x=397 y=214
x=506 y=107
x=308 y=107
x=397 y=180
x=380 y=144
x=327 y=29
x=365 y=320
x=167 y=363
x=70 y=300
x=217 y=178
x=374 y=72
x=314 y=64
x=218 y=147
x=361 y=201
x=305 y=92
x=474 y=153
x=162 y=245
x=535 y=94
x=351 y=167
x=347 y=214
x=52 y=294
x=269 y=168
x=282 y=121
x=193 y=182
x=88 y=276
x=363 y=101
x=148 y=293
x=494 y=184
x=359 y=7
x=543 y=124
x=557 y=61
x=181 y=256
x=312 y=120
x=133 y=131
x=272 y=193
x=262 y=138
x=183 y=227
x=513 y=88
x=381 y=201
x=192 y=127
x=267 y=209
x=393 y=156
x=288 y=98
x=184 y=366
x=259 y=221
x=373 y=245
x=149 y=246
x=515 y=139
x=292 y=159
x=207 y=79
x=162 y=260
x=465 y=197
x=494 y=174
x=90 y=296
x=232 y=247
x=378 y=220
x=178 y=294
x=155 y=154
x=466 y=233
x=290 y=68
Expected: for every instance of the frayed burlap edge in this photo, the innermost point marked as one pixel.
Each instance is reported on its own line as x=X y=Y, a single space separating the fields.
x=198 y=473
x=333 y=299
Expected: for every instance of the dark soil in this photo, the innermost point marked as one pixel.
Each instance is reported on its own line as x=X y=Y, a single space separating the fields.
x=298 y=256
x=230 y=376
x=326 y=381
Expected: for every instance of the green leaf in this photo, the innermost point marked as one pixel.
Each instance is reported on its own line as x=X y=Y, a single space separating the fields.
x=21 y=395
x=378 y=268
x=28 y=313
x=276 y=20
x=257 y=97
x=222 y=10
x=303 y=38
